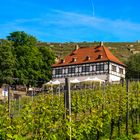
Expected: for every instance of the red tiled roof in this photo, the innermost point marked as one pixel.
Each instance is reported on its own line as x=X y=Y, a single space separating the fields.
x=89 y=55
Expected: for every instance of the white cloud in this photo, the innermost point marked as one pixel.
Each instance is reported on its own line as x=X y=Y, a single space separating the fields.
x=63 y=18
x=69 y=21
x=69 y=25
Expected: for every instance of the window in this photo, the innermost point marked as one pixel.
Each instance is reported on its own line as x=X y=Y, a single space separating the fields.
x=65 y=71
x=93 y=67
x=87 y=58
x=85 y=68
x=100 y=67
x=58 y=71
x=73 y=59
x=120 y=70
x=71 y=70
x=100 y=56
x=114 y=68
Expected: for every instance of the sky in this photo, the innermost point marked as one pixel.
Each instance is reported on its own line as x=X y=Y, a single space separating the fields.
x=72 y=20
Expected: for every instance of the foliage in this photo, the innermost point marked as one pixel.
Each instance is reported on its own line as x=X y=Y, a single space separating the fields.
x=20 y=38
x=96 y=115
x=29 y=61
x=7 y=61
x=133 y=66
x=33 y=64
x=48 y=58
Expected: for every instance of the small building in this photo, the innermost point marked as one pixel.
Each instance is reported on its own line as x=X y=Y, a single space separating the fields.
x=91 y=62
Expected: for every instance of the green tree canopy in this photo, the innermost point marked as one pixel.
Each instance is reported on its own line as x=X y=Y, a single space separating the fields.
x=133 y=66
x=20 y=38
x=29 y=62
x=7 y=61
x=48 y=58
x=33 y=64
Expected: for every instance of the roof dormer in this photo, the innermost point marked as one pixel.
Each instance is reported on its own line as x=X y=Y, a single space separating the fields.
x=62 y=61
x=73 y=59
x=87 y=57
x=100 y=56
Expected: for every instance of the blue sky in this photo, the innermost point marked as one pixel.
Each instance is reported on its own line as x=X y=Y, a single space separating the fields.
x=72 y=20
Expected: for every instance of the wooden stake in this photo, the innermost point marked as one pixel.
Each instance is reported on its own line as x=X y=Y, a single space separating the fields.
x=127 y=106
x=67 y=101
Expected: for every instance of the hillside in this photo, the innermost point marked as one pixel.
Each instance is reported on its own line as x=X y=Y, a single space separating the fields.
x=122 y=50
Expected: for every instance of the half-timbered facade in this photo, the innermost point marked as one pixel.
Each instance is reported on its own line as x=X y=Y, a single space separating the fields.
x=89 y=62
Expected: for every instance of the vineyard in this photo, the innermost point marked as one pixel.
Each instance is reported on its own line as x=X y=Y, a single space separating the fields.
x=127 y=48
x=106 y=113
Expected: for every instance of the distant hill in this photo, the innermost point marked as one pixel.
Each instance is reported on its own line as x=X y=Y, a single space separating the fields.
x=122 y=50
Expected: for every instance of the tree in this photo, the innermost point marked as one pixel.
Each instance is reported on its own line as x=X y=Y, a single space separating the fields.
x=20 y=38
x=48 y=59
x=7 y=61
x=33 y=64
x=133 y=66
x=29 y=62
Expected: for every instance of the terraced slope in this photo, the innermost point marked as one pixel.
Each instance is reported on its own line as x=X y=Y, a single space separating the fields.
x=122 y=50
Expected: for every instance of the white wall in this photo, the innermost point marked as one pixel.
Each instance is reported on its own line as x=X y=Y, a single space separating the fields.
x=112 y=76
x=117 y=70
x=81 y=78
x=91 y=65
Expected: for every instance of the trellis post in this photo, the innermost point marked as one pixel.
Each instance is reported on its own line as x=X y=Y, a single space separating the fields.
x=67 y=102
x=9 y=109
x=127 y=105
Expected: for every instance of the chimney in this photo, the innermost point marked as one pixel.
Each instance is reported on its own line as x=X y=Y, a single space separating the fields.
x=101 y=43
x=56 y=60
x=76 y=47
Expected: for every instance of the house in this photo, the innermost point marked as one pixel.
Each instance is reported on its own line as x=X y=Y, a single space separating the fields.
x=91 y=62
